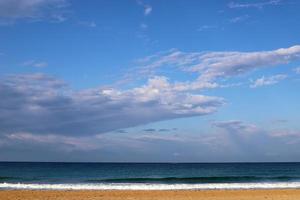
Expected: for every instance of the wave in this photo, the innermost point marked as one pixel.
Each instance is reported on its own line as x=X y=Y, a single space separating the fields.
x=4 y=178
x=220 y=179
x=142 y=186
x=16 y=179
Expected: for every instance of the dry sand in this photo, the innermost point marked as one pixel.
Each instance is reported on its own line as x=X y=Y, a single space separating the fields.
x=146 y=195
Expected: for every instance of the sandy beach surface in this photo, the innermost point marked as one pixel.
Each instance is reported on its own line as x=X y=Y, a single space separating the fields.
x=145 y=195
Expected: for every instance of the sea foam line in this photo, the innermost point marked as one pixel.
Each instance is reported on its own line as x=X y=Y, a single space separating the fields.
x=142 y=186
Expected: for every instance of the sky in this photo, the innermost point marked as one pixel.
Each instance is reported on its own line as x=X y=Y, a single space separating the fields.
x=150 y=80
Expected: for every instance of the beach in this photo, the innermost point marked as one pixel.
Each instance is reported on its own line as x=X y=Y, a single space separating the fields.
x=291 y=194
x=143 y=181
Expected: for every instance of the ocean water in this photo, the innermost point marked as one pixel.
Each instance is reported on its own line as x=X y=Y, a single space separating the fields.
x=148 y=176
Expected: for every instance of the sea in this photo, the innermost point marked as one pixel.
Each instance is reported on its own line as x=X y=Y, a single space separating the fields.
x=147 y=176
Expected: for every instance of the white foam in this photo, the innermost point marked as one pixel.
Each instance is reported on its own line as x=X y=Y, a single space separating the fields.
x=142 y=186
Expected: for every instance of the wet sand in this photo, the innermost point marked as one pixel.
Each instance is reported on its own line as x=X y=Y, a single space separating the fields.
x=146 y=195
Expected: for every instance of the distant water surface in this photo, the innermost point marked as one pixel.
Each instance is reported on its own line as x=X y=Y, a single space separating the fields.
x=161 y=176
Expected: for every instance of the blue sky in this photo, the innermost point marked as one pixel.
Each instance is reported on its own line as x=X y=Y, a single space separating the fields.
x=149 y=81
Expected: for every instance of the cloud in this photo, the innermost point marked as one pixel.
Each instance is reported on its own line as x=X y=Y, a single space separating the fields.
x=279 y=121
x=40 y=104
x=239 y=127
x=165 y=129
x=263 y=81
x=297 y=70
x=207 y=27
x=143 y=26
x=213 y=65
x=157 y=138
x=243 y=141
x=285 y=133
x=149 y=130
x=159 y=130
x=34 y=63
x=239 y=19
x=32 y=10
x=258 y=5
x=236 y=126
x=121 y=131
x=245 y=135
x=90 y=24
x=147 y=8
x=65 y=143
x=247 y=139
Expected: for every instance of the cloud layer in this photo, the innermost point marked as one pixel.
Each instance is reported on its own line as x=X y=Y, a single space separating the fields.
x=41 y=104
x=38 y=103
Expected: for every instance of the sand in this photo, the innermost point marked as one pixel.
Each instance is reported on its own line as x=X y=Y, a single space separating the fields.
x=146 y=195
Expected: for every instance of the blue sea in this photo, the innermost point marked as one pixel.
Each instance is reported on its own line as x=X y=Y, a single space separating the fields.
x=148 y=176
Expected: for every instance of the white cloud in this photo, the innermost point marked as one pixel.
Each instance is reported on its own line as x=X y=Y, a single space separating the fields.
x=285 y=133
x=33 y=10
x=207 y=27
x=90 y=24
x=239 y=19
x=148 y=10
x=213 y=65
x=258 y=5
x=143 y=26
x=263 y=81
x=34 y=63
x=297 y=70
x=225 y=64
x=40 y=104
x=212 y=68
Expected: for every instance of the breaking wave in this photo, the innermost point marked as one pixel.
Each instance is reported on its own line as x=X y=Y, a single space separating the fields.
x=150 y=186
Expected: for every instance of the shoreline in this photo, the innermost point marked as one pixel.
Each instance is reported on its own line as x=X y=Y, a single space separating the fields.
x=144 y=190
x=152 y=187
x=257 y=194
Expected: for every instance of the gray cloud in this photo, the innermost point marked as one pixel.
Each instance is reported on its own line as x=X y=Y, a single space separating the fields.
x=246 y=139
x=40 y=104
x=33 y=10
x=236 y=126
x=121 y=131
x=159 y=130
x=240 y=142
x=279 y=121
x=165 y=129
x=150 y=130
